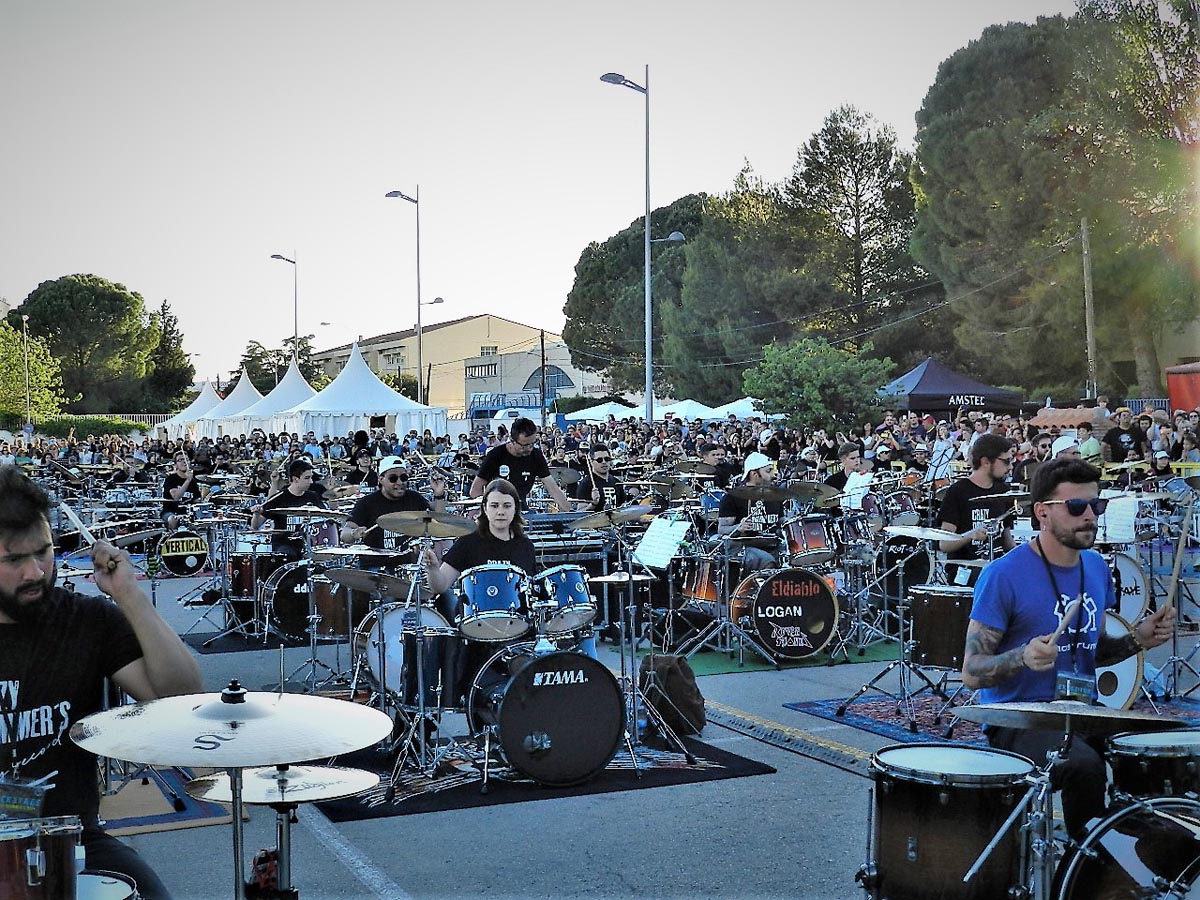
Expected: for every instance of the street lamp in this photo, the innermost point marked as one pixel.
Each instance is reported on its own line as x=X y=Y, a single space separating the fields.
x=415 y=200
x=295 y=297
x=621 y=80
x=421 y=392
x=28 y=404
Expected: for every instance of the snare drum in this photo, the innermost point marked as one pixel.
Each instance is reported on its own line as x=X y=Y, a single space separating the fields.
x=810 y=540
x=39 y=858
x=106 y=886
x=1148 y=850
x=936 y=808
x=442 y=654
x=183 y=553
x=285 y=595
x=1133 y=592
x=1155 y=763
x=495 y=603
x=939 y=614
x=565 y=589
x=794 y=611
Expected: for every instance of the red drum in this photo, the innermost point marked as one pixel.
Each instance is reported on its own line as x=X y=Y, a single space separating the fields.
x=900 y=509
x=248 y=570
x=323 y=534
x=940 y=614
x=911 y=478
x=703 y=580
x=810 y=540
x=794 y=611
x=38 y=858
x=873 y=509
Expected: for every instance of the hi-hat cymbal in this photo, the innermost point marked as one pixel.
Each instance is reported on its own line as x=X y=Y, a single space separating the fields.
x=307 y=512
x=417 y=523
x=263 y=729
x=1008 y=497
x=370 y=582
x=609 y=517
x=1059 y=715
x=921 y=534
x=621 y=578
x=273 y=785
x=361 y=551
x=565 y=475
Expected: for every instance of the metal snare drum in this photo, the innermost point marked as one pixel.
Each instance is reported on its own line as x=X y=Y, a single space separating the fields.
x=572 y=604
x=495 y=603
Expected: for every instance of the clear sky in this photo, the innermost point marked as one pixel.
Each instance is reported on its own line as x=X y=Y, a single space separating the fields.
x=174 y=145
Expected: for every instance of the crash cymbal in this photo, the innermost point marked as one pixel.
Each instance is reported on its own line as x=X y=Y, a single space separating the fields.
x=74 y=573
x=232 y=498
x=64 y=472
x=671 y=487
x=134 y=537
x=308 y=512
x=273 y=785
x=231 y=729
x=920 y=533
x=1008 y=497
x=361 y=551
x=621 y=578
x=695 y=466
x=609 y=517
x=565 y=475
x=812 y=492
x=418 y=523
x=768 y=493
x=1059 y=715
x=370 y=582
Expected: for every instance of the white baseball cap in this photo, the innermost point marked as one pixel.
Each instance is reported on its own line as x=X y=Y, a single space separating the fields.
x=1063 y=444
x=755 y=461
x=391 y=462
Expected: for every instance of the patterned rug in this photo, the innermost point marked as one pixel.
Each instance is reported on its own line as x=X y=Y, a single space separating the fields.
x=140 y=808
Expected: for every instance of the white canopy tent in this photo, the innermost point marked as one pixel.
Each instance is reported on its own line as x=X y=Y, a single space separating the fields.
x=742 y=409
x=601 y=413
x=292 y=389
x=244 y=394
x=351 y=400
x=178 y=424
x=685 y=410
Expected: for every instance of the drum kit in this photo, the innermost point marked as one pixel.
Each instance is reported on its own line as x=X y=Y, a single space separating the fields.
x=972 y=823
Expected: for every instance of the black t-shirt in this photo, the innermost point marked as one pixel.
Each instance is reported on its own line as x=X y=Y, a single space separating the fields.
x=965 y=516
x=612 y=492
x=121 y=476
x=173 y=481
x=837 y=481
x=522 y=471
x=368 y=509
x=474 y=549
x=275 y=509
x=358 y=476
x=1121 y=440
x=51 y=676
x=763 y=514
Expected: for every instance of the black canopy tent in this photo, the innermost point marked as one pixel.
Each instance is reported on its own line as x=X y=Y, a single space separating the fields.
x=932 y=387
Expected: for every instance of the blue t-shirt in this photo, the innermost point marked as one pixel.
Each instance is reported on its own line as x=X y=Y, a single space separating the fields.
x=1014 y=594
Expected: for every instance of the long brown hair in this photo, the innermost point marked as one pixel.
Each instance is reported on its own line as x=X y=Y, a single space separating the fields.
x=504 y=487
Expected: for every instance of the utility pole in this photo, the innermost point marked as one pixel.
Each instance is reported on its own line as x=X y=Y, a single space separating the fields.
x=1089 y=312
x=543 y=377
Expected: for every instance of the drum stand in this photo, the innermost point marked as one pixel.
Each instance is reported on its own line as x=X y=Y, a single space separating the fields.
x=314 y=619
x=723 y=634
x=1175 y=661
x=221 y=559
x=861 y=633
x=904 y=701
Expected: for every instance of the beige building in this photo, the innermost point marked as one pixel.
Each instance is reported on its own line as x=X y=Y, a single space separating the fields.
x=447 y=347
x=514 y=379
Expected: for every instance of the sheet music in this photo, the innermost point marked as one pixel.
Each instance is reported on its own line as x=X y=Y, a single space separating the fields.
x=857 y=485
x=661 y=541
x=1116 y=526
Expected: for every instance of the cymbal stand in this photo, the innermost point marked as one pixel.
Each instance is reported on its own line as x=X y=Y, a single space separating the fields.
x=413 y=741
x=903 y=661
x=861 y=633
x=225 y=541
x=314 y=619
x=635 y=698
x=723 y=634
x=1175 y=661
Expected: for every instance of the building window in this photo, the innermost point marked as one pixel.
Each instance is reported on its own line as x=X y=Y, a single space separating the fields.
x=489 y=350
x=556 y=380
x=394 y=360
x=485 y=371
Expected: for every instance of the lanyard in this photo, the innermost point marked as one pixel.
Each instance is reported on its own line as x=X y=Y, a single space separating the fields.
x=1059 y=605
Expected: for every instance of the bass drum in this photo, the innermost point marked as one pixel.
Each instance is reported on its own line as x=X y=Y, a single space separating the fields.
x=1133 y=591
x=559 y=717
x=794 y=611
x=1144 y=851
x=286 y=594
x=1117 y=685
x=183 y=553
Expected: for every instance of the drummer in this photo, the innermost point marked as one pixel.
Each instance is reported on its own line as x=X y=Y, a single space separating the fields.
x=299 y=492
x=362 y=474
x=597 y=487
x=738 y=517
x=56 y=650
x=180 y=487
x=131 y=472
x=1020 y=601
x=392 y=496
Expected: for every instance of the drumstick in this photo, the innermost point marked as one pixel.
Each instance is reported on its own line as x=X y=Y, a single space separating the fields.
x=1068 y=615
x=83 y=531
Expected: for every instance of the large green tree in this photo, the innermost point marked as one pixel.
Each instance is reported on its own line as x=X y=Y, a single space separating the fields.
x=171 y=373
x=605 y=310
x=45 y=381
x=816 y=384
x=101 y=335
x=266 y=366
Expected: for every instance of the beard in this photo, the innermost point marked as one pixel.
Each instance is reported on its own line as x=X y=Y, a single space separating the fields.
x=1080 y=537
x=30 y=602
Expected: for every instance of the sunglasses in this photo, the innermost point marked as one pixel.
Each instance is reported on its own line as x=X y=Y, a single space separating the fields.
x=601 y=459
x=394 y=478
x=1076 y=507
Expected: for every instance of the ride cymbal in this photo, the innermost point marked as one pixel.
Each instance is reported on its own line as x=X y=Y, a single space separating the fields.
x=418 y=523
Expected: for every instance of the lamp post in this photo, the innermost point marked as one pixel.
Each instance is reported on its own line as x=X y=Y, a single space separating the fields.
x=295 y=297
x=415 y=200
x=28 y=402
x=421 y=392
x=644 y=90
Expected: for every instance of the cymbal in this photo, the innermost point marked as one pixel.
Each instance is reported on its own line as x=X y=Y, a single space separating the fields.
x=672 y=487
x=358 y=550
x=1058 y=715
x=1154 y=495
x=417 y=523
x=768 y=493
x=74 y=573
x=230 y=518
x=370 y=582
x=609 y=517
x=1193 y=481
x=64 y=472
x=134 y=537
x=466 y=501
x=921 y=533
x=695 y=466
x=265 y=729
x=218 y=498
x=812 y=491
x=621 y=578
x=307 y=512
x=989 y=499
x=565 y=475
x=272 y=785
x=346 y=490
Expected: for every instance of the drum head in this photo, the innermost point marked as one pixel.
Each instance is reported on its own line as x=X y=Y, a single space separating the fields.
x=183 y=553
x=936 y=763
x=1117 y=685
x=1158 y=743
x=794 y=613
x=561 y=718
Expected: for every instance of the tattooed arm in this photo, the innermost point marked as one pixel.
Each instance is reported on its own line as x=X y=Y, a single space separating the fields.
x=983 y=667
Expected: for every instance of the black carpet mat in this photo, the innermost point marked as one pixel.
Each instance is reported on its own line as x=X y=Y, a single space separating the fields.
x=236 y=643
x=417 y=794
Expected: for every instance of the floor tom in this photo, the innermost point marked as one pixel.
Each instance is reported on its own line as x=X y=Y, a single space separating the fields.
x=939 y=614
x=387 y=639
x=1155 y=763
